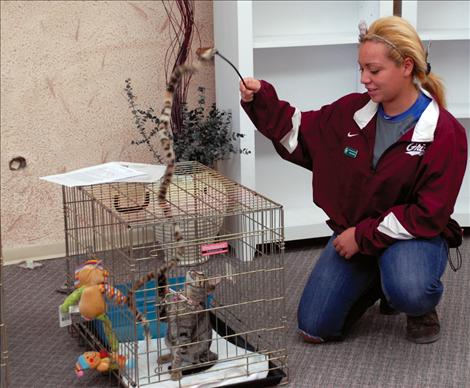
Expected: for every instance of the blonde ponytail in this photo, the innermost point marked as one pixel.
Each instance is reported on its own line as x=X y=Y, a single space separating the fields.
x=434 y=85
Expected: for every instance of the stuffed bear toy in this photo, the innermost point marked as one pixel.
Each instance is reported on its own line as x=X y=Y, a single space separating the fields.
x=88 y=281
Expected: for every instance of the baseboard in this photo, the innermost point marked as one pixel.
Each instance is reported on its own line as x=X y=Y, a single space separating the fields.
x=33 y=252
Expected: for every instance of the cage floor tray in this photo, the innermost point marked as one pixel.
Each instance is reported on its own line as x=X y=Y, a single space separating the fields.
x=235 y=365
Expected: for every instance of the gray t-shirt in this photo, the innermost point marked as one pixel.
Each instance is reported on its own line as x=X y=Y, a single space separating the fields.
x=390 y=128
x=388 y=132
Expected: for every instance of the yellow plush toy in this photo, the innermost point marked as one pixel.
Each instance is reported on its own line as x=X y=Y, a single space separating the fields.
x=91 y=283
x=89 y=278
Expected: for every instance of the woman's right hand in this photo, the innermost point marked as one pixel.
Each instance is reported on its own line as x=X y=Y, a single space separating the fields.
x=252 y=87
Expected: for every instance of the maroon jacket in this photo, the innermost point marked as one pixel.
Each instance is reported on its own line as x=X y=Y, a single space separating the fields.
x=410 y=194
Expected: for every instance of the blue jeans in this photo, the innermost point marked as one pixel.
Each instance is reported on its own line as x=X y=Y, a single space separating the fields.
x=339 y=291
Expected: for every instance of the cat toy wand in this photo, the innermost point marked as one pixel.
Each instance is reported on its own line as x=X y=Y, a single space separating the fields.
x=209 y=53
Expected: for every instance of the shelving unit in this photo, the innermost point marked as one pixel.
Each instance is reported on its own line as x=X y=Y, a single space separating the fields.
x=308 y=50
x=439 y=20
x=446 y=24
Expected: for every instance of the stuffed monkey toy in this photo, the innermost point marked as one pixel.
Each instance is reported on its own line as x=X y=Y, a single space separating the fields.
x=101 y=361
x=92 y=360
x=91 y=283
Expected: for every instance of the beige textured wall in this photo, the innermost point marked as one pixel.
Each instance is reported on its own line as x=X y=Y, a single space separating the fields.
x=63 y=66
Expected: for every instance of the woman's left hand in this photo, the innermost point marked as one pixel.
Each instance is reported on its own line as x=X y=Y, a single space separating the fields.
x=345 y=244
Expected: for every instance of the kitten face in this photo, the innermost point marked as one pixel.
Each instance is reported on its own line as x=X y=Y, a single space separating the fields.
x=196 y=278
x=200 y=280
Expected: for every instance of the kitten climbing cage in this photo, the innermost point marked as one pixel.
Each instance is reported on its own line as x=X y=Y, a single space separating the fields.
x=231 y=234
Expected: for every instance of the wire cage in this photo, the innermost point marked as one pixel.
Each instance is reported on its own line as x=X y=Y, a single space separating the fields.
x=231 y=234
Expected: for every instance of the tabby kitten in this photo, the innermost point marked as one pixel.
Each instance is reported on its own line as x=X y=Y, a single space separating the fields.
x=165 y=140
x=189 y=331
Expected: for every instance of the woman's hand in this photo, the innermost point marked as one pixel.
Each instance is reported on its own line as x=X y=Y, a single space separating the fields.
x=252 y=87
x=345 y=244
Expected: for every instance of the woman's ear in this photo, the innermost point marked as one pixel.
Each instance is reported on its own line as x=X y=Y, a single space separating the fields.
x=408 y=66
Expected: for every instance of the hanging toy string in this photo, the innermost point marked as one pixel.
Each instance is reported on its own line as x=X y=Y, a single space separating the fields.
x=210 y=52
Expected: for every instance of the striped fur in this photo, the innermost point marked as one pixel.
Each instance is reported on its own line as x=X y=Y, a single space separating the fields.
x=168 y=157
x=161 y=275
x=189 y=332
x=166 y=141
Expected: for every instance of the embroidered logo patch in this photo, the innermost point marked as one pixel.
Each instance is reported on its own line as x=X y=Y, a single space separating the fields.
x=415 y=149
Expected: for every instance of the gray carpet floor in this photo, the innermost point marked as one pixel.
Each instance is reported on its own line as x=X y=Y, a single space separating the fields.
x=376 y=354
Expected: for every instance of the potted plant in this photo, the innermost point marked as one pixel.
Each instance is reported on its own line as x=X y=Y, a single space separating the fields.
x=205 y=135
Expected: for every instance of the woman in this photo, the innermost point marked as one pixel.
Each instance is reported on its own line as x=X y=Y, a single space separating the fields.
x=387 y=167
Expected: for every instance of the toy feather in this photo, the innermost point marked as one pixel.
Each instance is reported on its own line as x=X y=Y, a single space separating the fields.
x=207 y=53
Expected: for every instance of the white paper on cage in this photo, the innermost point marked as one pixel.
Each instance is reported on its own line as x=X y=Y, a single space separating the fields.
x=108 y=173
x=152 y=172
x=246 y=366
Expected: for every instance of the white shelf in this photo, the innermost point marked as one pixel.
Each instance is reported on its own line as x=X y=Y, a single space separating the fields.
x=300 y=72
x=445 y=34
x=441 y=20
x=462 y=208
x=300 y=40
x=310 y=22
x=303 y=223
x=278 y=180
x=290 y=186
x=450 y=60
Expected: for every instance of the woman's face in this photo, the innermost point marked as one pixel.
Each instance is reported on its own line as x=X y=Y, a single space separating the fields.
x=384 y=80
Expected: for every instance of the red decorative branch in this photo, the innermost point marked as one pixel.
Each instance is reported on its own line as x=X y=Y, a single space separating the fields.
x=181 y=26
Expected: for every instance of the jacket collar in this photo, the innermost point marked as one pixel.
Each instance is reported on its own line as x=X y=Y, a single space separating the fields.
x=424 y=128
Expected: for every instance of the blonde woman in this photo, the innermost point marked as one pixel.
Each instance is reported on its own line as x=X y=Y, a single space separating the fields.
x=387 y=167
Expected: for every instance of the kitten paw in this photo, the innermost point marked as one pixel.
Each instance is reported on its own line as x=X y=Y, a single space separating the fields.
x=176 y=375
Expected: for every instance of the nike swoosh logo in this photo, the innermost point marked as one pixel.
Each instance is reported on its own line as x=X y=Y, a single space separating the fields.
x=352 y=134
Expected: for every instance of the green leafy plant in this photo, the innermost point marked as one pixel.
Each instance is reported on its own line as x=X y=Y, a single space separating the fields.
x=205 y=136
